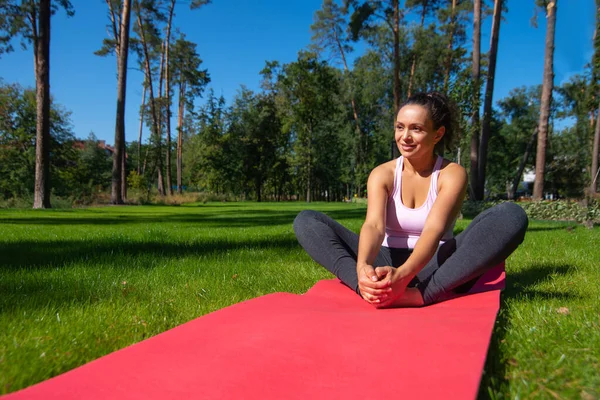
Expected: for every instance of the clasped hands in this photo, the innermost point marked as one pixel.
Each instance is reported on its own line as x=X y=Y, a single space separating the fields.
x=382 y=285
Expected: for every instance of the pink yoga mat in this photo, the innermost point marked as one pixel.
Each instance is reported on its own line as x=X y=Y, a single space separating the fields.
x=325 y=344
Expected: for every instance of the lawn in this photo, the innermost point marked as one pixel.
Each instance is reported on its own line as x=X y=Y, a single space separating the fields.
x=78 y=284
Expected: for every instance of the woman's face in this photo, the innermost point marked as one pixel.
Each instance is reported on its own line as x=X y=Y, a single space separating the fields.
x=415 y=133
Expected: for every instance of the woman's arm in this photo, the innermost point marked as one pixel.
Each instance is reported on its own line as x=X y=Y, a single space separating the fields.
x=372 y=233
x=451 y=193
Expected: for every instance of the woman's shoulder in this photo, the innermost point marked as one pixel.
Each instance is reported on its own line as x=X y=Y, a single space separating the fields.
x=383 y=174
x=385 y=170
x=451 y=171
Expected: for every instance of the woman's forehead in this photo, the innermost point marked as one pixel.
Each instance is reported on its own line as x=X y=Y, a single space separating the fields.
x=413 y=113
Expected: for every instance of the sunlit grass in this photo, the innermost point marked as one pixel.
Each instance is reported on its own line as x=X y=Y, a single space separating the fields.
x=78 y=284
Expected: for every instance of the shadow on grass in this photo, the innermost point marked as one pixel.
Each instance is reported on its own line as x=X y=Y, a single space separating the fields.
x=216 y=218
x=58 y=254
x=494 y=381
x=52 y=255
x=56 y=289
x=552 y=228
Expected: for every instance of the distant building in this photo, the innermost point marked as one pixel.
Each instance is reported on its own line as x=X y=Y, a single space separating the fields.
x=80 y=145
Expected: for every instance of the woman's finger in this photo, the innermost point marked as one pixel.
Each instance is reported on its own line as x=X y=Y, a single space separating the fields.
x=364 y=281
x=375 y=292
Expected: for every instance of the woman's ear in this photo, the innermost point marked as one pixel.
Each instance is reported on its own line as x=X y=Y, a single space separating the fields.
x=439 y=134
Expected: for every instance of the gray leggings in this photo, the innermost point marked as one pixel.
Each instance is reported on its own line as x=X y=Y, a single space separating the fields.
x=490 y=238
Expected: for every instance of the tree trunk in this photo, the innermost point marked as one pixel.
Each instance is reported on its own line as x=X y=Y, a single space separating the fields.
x=396 y=61
x=116 y=196
x=487 y=105
x=308 y=169
x=124 y=173
x=42 y=83
x=595 y=149
x=595 y=120
x=139 y=170
x=159 y=124
x=547 y=87
x=413 y=67
x=517 y=180
x=161 y=188
x=450 y=46
x=180 y=134
x=473 y=175
x=168 y=97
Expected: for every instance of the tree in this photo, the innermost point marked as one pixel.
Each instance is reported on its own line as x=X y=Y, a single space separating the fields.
x=454 y=32
x=547 y=87
x=328 y=34
x=427 y=7
x=119 y=180
x=371 y=82
x=575 y=100
x=513 y=144
x=167 y=76
x=389 y=13
x=474 y=154
x=147 y=15
x=487 y=105
x=206 y=164
x=30 y=20
x=18 y=115
x=595 y=78
x=190 y=81
x=309 y=89
x=119 y=12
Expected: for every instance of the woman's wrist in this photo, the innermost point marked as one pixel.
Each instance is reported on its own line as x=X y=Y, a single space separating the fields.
x=402 y=272
x=361 y=264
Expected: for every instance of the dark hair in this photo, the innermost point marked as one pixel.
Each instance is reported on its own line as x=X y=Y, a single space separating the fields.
x=442 y=111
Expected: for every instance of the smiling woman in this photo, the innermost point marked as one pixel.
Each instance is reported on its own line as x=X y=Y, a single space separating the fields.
x=406 y=254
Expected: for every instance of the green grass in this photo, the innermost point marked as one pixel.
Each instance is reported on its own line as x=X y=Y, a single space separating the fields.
x=78 y=284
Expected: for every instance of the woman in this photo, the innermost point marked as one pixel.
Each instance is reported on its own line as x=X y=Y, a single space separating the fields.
x=406 y=255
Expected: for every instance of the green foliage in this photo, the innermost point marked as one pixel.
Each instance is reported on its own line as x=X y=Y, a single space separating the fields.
x=471 y=208
x=15 y=20
x=563 y=210
x=17 y=144
x=511 y=130
x=587 y=212
x=185 y=68
x=328 y=31
x=136 y=181
x=311 y=112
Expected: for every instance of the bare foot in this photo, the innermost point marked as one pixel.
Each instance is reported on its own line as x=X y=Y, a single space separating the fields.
x=411 y=298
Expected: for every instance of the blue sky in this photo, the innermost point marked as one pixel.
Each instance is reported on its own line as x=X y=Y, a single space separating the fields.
x=236 y=37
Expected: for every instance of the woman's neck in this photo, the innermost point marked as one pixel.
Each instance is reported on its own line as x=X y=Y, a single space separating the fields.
x=420 y=166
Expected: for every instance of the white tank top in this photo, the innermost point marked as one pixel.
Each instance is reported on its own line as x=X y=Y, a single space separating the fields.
x=404 y=225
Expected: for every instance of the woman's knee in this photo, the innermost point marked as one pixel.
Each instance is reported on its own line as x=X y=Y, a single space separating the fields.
x=305 y=219
x=515 y=215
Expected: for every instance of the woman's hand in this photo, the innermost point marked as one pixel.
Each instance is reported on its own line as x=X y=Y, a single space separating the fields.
x=395 y=280
x=371 y=287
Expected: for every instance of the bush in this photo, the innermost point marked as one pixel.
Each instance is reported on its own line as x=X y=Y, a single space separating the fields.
x=586 y=212
x=56 y=202
x=471 y=208
x=206 y=197
x=564 y=210
x=17 y=202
